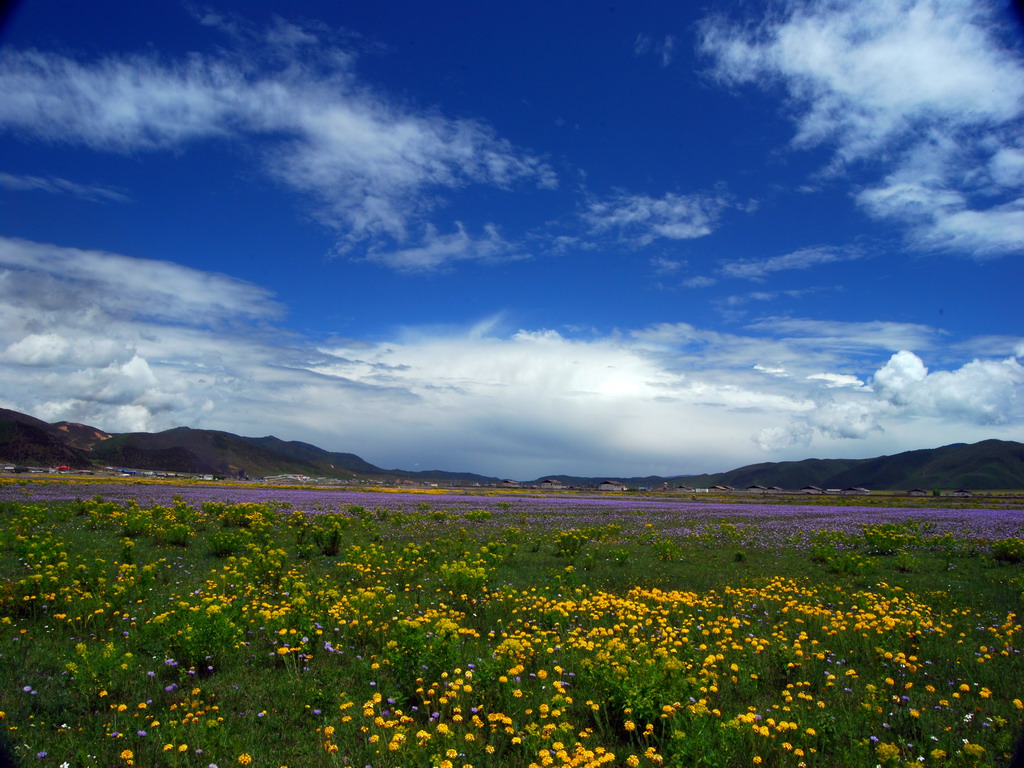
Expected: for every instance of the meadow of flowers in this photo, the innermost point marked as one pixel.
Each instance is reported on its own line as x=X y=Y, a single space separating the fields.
x=152 y=625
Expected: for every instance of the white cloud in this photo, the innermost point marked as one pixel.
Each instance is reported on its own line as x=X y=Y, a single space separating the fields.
x=776 y=440
x=867 y=73
x=778 y=371
x=805 y=258
x=1007 y=167
x=641 y=220
x=833 y=380
x=922 y=86
x=667 y=398
x=48 y=349
x=846 y=420
x=372 y=166
x=923 y=194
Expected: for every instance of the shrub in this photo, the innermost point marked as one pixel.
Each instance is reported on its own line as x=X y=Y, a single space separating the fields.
x=569 y=543
x=224 y=543
x=327 y=538
x=1008 y=551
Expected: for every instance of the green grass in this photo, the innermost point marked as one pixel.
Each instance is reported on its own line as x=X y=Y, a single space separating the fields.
x=174 y=636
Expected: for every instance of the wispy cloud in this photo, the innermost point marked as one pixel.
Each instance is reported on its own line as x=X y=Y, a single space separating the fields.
x=58 y=186
x=928 y=85
x=49 y=278
x=805 y=258
x=699 y=281
x=664 y=266
x=372 y=166
x=874 y=336
x=640 y=219
x=732 y=306
x=437 y=250
x=663 y=49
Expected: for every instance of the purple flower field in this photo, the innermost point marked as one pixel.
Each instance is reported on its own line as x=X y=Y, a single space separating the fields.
x=773 y=523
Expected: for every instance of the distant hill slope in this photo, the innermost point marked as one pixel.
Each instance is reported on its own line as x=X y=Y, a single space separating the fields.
x=24 y=439
x=27 y=440
x=988 y=465
x=80 y=435
x=198 y=451
x=319 y=460
x=330 y=462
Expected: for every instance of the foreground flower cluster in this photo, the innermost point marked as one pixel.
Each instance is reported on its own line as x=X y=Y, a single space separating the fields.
x=217 y=633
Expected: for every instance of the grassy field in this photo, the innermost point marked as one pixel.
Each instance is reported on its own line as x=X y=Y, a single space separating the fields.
x=430 y=632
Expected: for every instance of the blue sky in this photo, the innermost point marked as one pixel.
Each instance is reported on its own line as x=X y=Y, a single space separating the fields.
x=518 y=239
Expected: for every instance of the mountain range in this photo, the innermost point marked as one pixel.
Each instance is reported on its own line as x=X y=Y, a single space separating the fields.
x=26 y=440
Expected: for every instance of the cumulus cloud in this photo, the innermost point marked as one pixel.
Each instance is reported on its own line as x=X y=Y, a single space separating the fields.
x=925 y=85
x=640 y=219
x=978 y=396
x=374 y=167
x=982 y=391
x=846 y=420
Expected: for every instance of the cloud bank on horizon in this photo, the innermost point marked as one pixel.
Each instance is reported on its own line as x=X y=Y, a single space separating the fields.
x=761 y=239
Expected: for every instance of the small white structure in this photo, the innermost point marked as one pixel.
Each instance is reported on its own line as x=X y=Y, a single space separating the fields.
x=610 y=485
x=551 y=484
